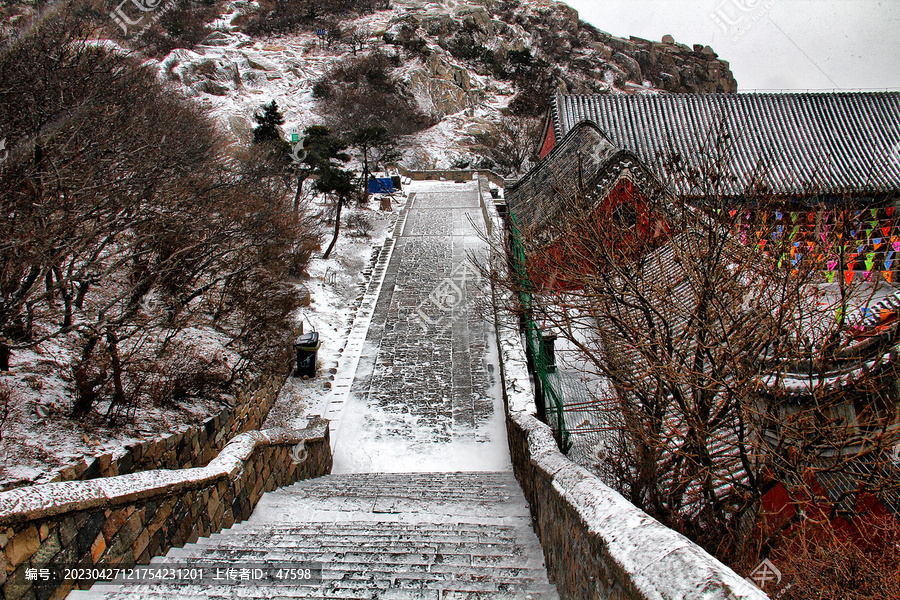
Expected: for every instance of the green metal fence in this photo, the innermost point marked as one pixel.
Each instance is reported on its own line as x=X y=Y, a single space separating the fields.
x=549 y=399
x=576 y=410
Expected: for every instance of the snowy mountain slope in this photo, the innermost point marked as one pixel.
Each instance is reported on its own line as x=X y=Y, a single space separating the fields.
x=457 y=61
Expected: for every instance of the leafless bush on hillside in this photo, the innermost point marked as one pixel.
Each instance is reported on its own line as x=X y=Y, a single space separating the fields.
x=6 y=393
x=285 y=16
x=125 y=216
x=359 y=225
x=179 y=371
x=362 y=92
x=509 y=146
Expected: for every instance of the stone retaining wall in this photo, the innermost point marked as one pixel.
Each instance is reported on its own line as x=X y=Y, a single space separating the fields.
x=193 y=447
x=126 y=520
x=596 y=543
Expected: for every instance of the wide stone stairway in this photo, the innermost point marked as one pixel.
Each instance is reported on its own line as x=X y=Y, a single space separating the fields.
x=423 y=504
x=391 y=536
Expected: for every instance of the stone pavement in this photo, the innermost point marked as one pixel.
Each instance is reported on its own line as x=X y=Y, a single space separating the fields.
x=423 y=504
x=425 y=391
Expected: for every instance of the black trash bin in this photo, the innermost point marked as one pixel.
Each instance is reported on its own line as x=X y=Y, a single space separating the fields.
x=307 y=347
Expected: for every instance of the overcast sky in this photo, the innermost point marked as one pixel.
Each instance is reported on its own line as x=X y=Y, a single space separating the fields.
x=772 y=44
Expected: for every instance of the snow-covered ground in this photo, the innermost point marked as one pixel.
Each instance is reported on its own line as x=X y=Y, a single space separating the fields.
x=38 y=436
x=396 y=409
x=336 y=287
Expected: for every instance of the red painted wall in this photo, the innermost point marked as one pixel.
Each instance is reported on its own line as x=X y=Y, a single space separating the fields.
x=549 y=141
x=779 y=506
x=543 y=265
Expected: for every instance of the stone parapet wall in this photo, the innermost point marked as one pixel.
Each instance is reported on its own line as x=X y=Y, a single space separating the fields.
x=450 y=175
x=596 y=543
x=193 y=447
x=128 y=519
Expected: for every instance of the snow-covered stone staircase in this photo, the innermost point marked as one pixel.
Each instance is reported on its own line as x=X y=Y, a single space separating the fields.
x=438 y=536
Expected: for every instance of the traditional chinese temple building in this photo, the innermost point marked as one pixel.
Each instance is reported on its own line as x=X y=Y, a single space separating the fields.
x=828 y=165
x=831 y=160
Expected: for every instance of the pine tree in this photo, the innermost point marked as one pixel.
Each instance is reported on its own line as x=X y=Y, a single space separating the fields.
x=375 y=144
x=268 y=122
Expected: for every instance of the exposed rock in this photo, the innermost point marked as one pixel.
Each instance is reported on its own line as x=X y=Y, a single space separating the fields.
x=475 y=17
x=212 y=87
x=257 y=62
x=240 y=126
x=217 y=38
x=630 y=65
x=442 y=88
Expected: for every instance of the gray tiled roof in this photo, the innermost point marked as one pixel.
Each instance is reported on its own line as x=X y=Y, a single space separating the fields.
x=835 y=141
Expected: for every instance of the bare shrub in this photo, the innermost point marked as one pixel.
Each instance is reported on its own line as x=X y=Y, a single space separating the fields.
x=359 y=225
x=290 y=15
x=364 y=93
x=508 y=146
x=181 y=371
x=857 y=561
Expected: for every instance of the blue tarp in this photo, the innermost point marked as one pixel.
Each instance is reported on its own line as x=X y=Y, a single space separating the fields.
x=381 y=185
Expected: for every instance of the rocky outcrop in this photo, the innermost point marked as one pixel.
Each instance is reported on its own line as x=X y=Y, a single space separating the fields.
x=675 y=67
x=442 y=88
x=582 y=55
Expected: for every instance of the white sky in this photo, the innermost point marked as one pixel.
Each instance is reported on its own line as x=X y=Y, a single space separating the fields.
x=772 y=44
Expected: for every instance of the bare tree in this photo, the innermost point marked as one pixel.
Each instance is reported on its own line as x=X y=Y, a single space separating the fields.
x=357 y=37
x=508 y=145
x=734 y=361
x=124 y=219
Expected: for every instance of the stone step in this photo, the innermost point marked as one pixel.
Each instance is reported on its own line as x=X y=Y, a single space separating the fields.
x=443 y=493
x=464 y=488
x=448 y=592
x=379 y=527
x=363 y=539
x=322 y=510
x=377 y=536
x=344 y=561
